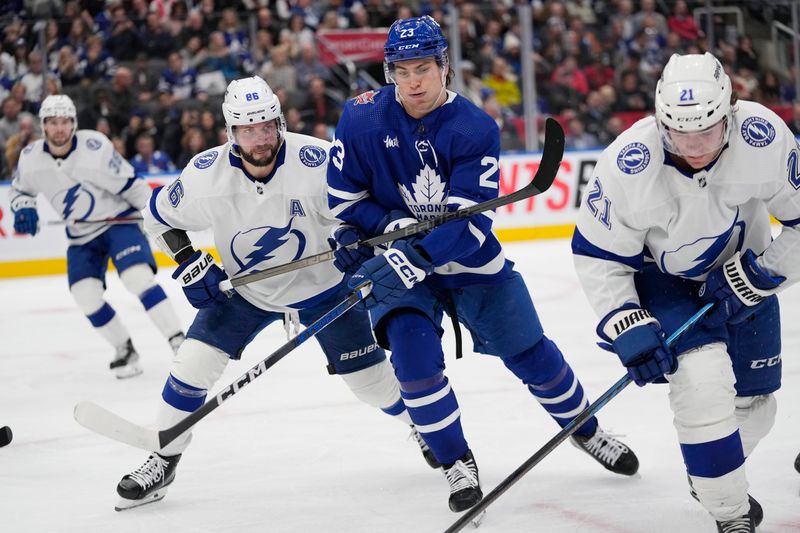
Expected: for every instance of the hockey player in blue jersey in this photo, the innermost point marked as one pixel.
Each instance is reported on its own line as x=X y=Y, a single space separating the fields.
x=263 y=194
x=677 y=214
x=86 y=180
x=414 y=150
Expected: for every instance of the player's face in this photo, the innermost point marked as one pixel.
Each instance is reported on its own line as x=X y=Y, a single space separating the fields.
x=419 y=82
x=699 y=148
x=258 y=143
x=58 y=130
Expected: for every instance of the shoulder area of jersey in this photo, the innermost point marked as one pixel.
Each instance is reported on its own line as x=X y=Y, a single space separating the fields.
x=33 y=149
x=206 y=159
x=758 y=126
x=90 y=140
x=637 y=152
x=312 y=152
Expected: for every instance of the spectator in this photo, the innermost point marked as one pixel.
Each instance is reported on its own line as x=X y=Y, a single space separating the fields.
x=648 y=17
x=97 y=63
x=148 y=160
x=309 y=67
x=472 y=88
x=294 y=35
x=231 y=28
x=769 y=91
x=578 y=137
x=320 y=106
x=595 y=116
x=195 y=28
x=145 y=81
x=509 y=138
x=631 y=96
x=20 y=140
x=322 y=131
x=125 y=41
x=746 y=56
x=504 y=84
x=33 y=80
x=67 y=68
x=157 y=40
x=192 y=143
x=76 y=38
x=794 y=124
x=278 y=72
x=10 y=122
x=615 y=127
x=569 y=74
x=295 y=123
x=176 y=79
x=219 y=58
x=208 y=125
x=682 y=22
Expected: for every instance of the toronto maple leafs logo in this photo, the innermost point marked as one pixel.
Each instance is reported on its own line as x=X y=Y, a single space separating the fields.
x=77 y=203
x=265 y=243
x=704 y=254
x=427 y=196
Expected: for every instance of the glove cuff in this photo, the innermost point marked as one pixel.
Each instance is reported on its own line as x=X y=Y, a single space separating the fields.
x=408 y=270
x=23 y=201
x=621 y=320
x=736 y=274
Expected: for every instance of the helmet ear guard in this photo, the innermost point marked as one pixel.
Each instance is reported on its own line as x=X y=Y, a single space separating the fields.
x=692 y=95
x=59 y=105
x=251 y=101
x=414 y=38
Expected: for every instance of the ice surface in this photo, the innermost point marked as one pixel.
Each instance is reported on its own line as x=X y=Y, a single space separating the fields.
x=295 y=452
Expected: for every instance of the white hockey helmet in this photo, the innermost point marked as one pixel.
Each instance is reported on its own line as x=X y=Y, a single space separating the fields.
x=59 y=105
x=250 y=101
x=693 y=95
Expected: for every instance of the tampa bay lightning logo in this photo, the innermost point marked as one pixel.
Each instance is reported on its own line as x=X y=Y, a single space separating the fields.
x=206 y=160
x=705 y=252
x=28 y=149
x=255 y=246
x=757 y=132
x=312 y=156
x=93 y=144
x=633 y=158
x=77 y=203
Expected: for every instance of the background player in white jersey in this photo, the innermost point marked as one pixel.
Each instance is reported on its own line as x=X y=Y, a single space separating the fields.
x=412 y=150
x=85 y=179
x=677 y=215
x=263 y=194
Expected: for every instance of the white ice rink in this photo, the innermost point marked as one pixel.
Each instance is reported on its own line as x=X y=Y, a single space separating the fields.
x=295 y=452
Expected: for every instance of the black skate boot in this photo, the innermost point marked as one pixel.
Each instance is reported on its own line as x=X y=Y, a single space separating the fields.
x=126 y=362
x=423 y=446
x=148 y=483
x=465 y=488
x=756 y=511
x=797 y=463
x=608 y=451
x=743 y=524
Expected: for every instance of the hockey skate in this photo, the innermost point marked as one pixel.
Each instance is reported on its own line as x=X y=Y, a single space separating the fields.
x=148 y=483
x=756 y=511
x=126 y=363
x=465 y=489
x=423 y=446
x=608 y=451
x=175 y=342
x=743 y=524
x=797 y=463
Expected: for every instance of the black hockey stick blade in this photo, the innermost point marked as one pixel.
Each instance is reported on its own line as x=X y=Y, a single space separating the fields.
x=562 y=435
x=104 y=422
x=545 y=175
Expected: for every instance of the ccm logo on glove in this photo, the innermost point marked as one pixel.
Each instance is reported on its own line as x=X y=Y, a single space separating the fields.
x=400 y=263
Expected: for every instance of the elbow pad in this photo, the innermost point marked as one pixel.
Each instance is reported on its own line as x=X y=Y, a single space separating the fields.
x=176 y=244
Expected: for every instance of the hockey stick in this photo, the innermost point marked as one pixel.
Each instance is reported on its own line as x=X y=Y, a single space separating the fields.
x=104 y=422
x=548 y=168
x=114 y=220
x=562 y=435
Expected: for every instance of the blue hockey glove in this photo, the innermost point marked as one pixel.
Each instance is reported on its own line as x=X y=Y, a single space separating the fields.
x=392 y=273
x=348 y=260
x=199 y=278
x=636 y=337
x=26 y=218
x=739 y=286
x=395 y=220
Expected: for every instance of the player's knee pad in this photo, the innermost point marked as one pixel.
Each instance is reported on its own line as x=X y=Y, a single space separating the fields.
x=139 y=280
x=702 y=395
x=416 y=347
x=755 y=416
x=374 y=385
x=537 y=365
x=198 y=364
x=88 y=294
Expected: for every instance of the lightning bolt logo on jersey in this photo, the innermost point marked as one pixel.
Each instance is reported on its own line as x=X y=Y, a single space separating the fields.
x=266 y=243
x=78 y=203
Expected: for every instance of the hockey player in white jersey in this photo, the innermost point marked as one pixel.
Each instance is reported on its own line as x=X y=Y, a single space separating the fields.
x=85 y=179
x=677 y=214
x=263 y=194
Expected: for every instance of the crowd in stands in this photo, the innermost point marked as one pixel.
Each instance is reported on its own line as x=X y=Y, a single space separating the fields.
x=151 y=74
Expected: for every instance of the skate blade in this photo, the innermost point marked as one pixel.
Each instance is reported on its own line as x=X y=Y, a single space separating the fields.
x=478 y=520
x=124 y=503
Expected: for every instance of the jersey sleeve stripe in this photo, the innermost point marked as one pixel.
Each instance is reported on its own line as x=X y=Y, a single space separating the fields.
x=345 y=195
x=128 y=184
x=154 y=208
x=581 y=246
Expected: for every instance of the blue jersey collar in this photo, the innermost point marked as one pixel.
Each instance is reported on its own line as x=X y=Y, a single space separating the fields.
x=236 y=161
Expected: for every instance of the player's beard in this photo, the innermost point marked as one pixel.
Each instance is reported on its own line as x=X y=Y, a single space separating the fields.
x=266 y=159
x=53 y=141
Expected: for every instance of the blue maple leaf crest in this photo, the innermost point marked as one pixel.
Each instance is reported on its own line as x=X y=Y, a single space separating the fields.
x=263 y=247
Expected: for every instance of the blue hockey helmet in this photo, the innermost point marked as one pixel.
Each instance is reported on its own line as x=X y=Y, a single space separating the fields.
x=413 y=38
